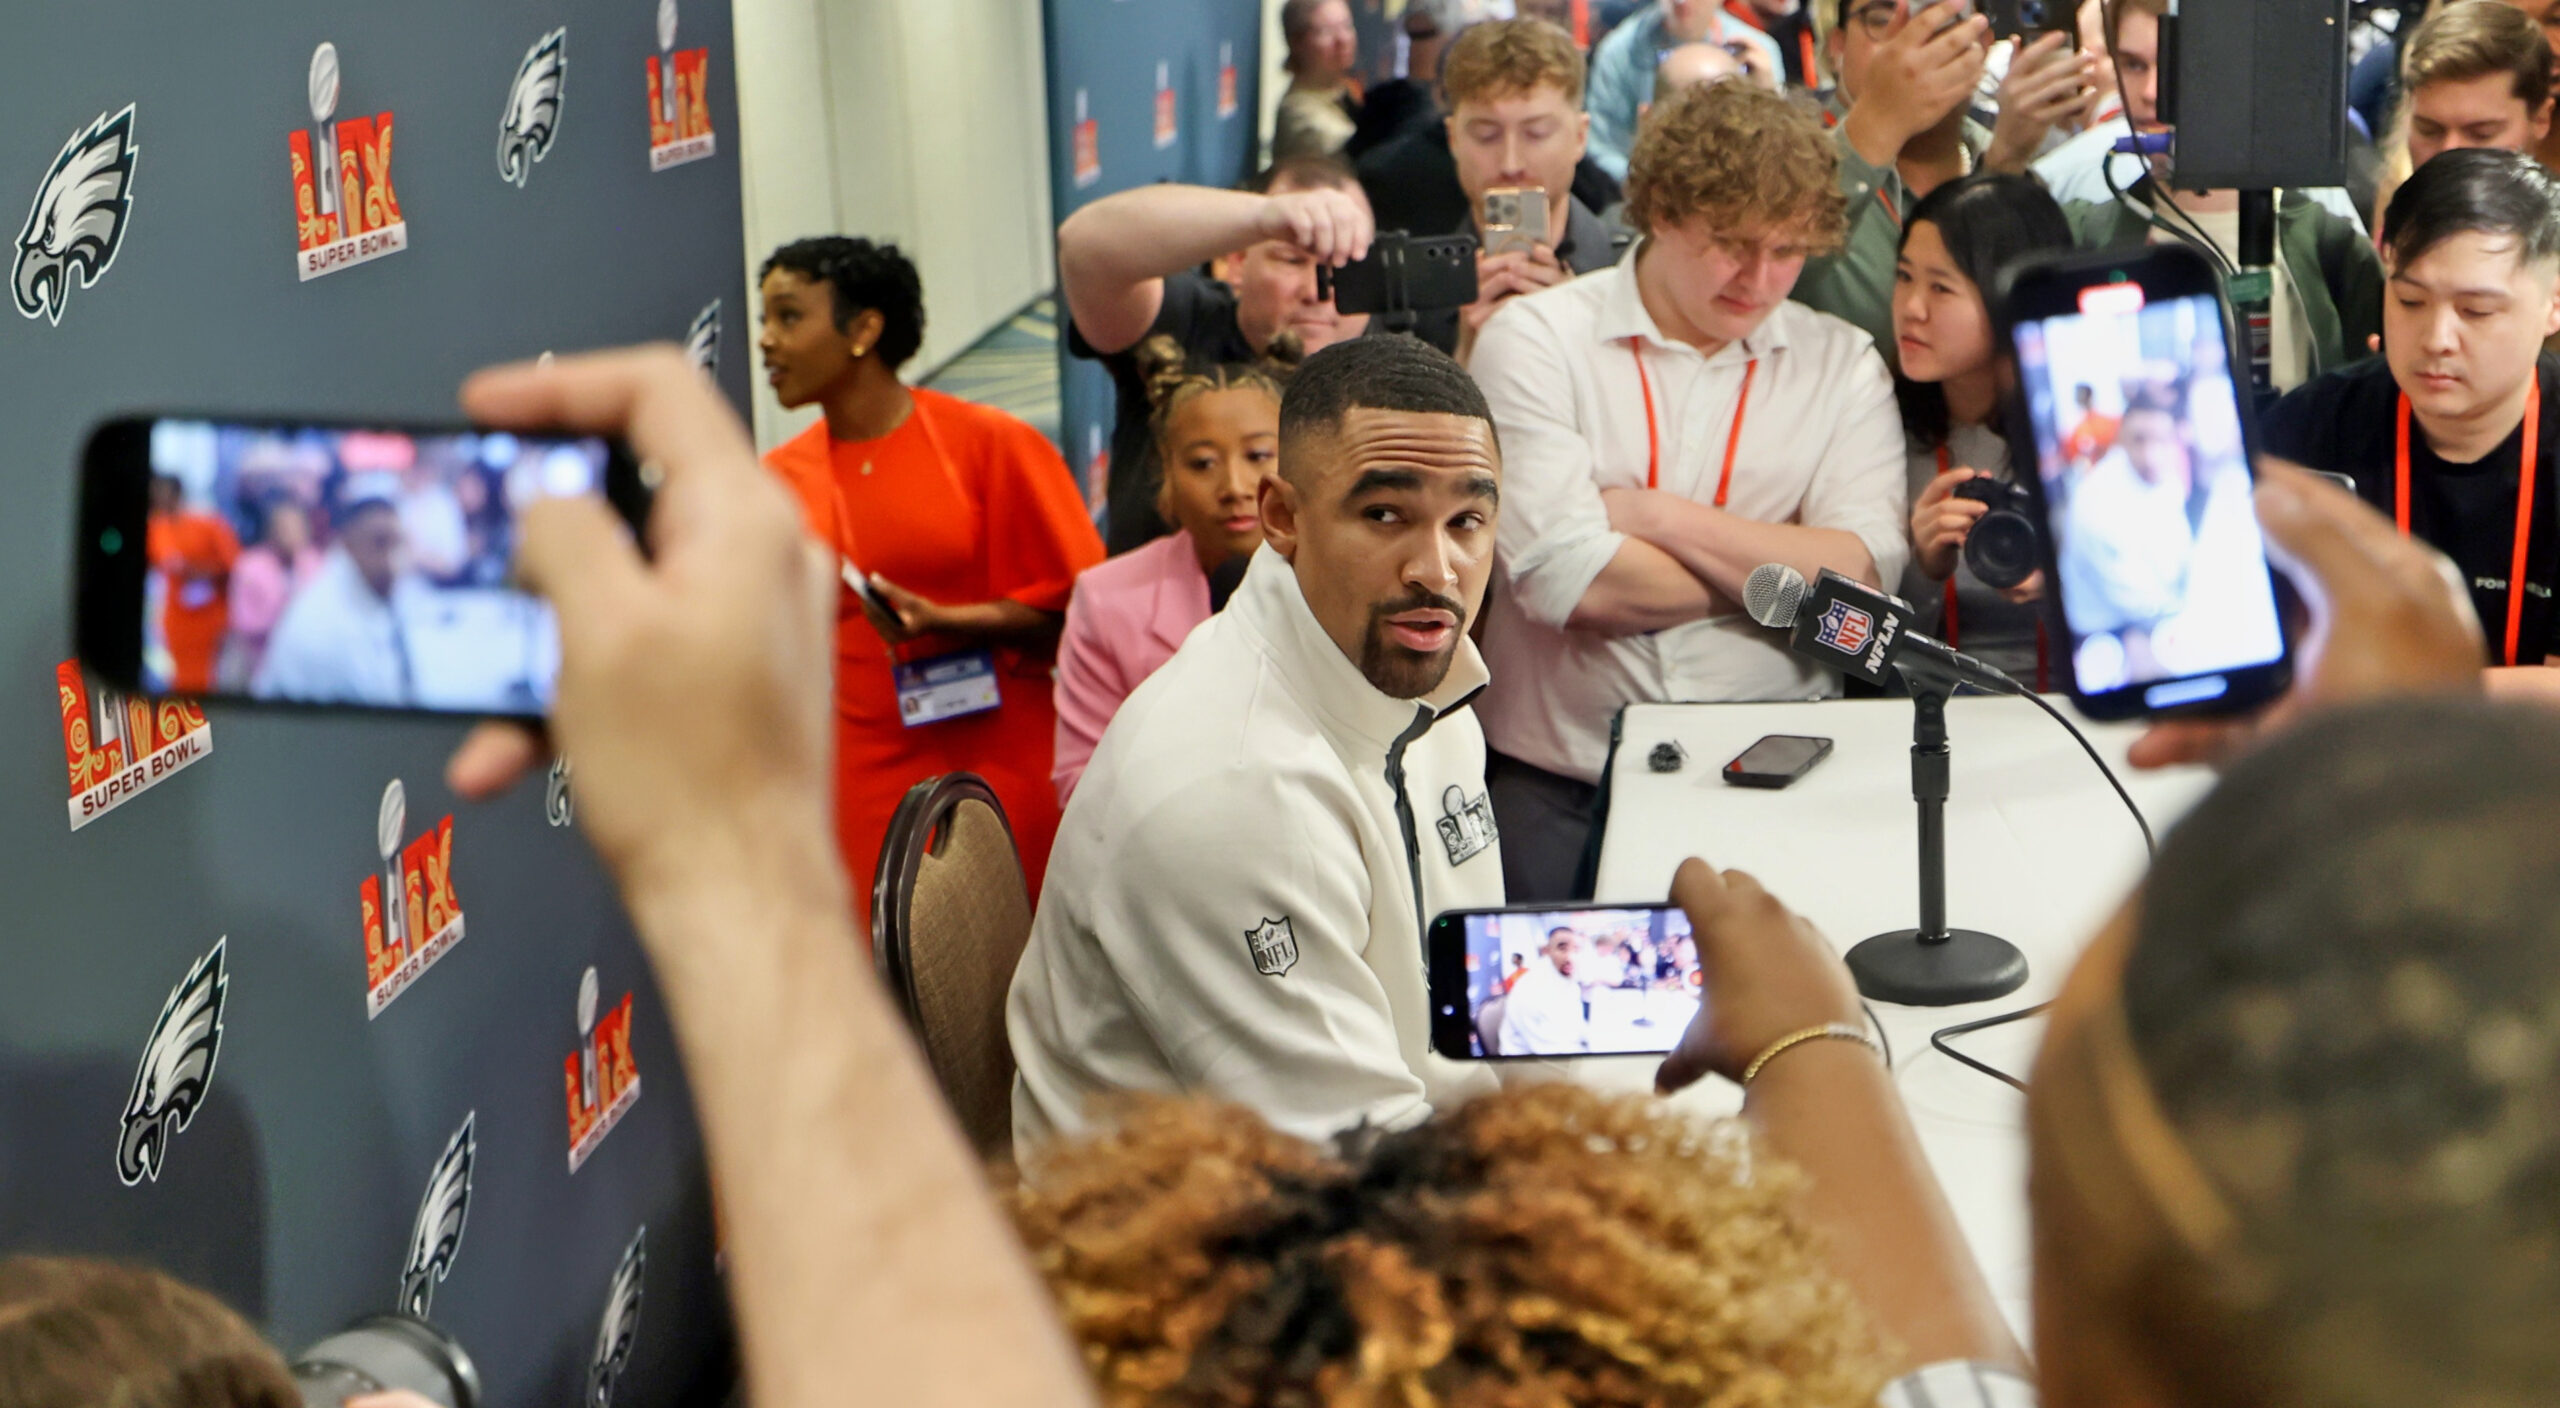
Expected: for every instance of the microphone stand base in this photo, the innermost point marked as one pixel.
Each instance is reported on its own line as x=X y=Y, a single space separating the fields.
x=1967 y=966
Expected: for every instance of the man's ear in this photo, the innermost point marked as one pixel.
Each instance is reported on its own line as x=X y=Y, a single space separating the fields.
x=1277 y=502
x=1582 y=130
x=2551 y=314
x=1227 y=268
x=2540 y=122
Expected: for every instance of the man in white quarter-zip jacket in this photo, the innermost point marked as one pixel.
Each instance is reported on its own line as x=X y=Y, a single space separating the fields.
x=1238 y=896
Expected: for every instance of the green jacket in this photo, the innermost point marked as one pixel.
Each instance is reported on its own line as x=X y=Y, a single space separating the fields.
x=2336 y=270
x=1856 y=284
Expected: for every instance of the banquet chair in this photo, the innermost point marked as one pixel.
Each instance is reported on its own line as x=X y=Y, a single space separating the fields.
x=950 y=915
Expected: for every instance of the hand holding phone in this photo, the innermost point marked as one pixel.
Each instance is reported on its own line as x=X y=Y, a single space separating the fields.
x=1771 y=973
x=2388 y=615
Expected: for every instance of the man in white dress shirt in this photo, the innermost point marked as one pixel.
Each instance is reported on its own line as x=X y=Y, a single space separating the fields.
x=1667 y=426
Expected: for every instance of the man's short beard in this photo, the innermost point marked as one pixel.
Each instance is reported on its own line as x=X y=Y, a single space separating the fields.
x=1401 y=673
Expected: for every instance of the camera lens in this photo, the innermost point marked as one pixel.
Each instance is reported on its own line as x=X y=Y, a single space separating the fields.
x=387 y=1352
x=2031 y=14
x=2002 y=549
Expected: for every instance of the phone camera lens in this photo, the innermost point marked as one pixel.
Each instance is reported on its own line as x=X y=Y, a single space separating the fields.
x=2031 y=13
x=111 y=542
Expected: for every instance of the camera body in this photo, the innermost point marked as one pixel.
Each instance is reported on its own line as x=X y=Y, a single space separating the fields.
x=2005 y=547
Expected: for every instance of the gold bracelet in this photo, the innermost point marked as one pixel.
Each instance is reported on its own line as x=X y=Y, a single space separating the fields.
x=1828 y=1031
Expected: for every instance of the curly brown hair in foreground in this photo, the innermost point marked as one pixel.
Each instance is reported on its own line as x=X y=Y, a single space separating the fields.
x=1735 y=156
x=1537 y=1248
x=94 y=1334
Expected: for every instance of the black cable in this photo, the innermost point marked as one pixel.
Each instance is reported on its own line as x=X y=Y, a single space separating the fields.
x=2150 y=849
x=1882 y=1040
x=2107 y=170
x=1939 y=1037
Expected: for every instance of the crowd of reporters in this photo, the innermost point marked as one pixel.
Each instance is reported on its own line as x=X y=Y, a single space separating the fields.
x=2289 y=1135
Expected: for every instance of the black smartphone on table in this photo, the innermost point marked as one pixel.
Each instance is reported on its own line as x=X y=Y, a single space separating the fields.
x=2130 y=392
x=325 y=563
x=1777 y=760
x=1537 y=982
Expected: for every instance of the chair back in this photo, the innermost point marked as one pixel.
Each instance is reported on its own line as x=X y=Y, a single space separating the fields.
x=950 y=915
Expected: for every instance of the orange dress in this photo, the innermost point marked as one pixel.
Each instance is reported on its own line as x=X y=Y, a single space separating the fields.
x=195 y=552
x=962 y=503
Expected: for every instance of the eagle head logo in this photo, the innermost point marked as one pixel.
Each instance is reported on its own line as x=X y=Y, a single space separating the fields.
x=436 y=1237
x=702 y=340
x=77 y=222
x=176 y=1065
x=533 y=107
x=621 y=1321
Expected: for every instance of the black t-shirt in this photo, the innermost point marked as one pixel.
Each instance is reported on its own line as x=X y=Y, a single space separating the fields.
x=1200 y=313
x=2347 y=422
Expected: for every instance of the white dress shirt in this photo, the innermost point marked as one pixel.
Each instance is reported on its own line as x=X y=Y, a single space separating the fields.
x=1236 y=899
x=1821 y=446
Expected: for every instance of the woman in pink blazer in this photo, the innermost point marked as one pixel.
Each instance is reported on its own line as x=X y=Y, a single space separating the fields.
x=1218 y=434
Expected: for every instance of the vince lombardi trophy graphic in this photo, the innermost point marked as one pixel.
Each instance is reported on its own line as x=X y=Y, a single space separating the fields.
x=395 y=895
x=667 y=103
x=324 y=140
x=587 y=1040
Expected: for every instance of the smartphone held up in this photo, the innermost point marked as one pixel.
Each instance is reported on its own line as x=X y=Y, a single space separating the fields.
x=2129 y=392
x=1539 y=983
x=325 y=564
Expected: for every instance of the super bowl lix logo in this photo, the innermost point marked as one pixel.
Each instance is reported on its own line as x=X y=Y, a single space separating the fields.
x=346 y=212
x=177 y=1066
x=603 y=1082
x=120 y=747
x=423 y=920
x=76 y=223
x=679 y=99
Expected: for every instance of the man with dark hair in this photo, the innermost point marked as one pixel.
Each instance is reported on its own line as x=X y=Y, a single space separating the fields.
x=1544 y=1013
x=1247 y=866
x=346 y=638
x=1129 y=268
x=2454 y=431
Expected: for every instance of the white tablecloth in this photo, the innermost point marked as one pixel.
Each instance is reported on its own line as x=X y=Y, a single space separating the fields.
x=2039 y=851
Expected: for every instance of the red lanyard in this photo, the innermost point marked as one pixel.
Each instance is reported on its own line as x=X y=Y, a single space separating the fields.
x=2524 y=504
x=1955 y=627
x=1653 y=432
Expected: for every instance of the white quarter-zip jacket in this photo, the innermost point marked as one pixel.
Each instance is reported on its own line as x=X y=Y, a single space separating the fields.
x=1237 y=899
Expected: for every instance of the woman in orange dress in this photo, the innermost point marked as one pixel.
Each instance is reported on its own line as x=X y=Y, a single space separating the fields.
x=959 y=531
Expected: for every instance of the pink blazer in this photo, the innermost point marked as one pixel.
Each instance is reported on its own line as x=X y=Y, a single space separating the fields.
x=1127 y=618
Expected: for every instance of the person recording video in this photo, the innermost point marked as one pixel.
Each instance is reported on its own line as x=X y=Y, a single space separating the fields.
x=2455 y=430
x=1902 y=123
x=1129 y=269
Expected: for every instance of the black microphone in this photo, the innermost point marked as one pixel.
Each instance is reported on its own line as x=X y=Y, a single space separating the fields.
x=1841 y=623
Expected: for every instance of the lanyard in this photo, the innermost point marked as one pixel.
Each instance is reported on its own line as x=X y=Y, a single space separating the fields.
x=1955 y=627
x=2524 y=503
x=1653 y=432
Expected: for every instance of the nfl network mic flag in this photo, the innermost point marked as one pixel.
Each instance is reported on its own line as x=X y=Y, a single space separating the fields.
x=1851 y=627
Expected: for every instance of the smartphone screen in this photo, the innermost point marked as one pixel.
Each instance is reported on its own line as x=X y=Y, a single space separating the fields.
x=2143 y=456
x=323 y=564
x=1542 y=983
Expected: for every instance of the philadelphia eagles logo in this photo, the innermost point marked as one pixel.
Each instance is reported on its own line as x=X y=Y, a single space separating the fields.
x=77 y=222
x=436 y=1238
x=702 y=340
x=533 y=107
x=621 y=1322
x=559 y=805
x=176 y=1065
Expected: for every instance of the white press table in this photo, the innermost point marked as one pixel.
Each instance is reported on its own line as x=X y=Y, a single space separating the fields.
x=2039 y=852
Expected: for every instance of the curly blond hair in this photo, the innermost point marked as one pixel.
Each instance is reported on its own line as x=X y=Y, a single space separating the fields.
x=1498 y=58
x=1542 y=1246
x=1736 y=155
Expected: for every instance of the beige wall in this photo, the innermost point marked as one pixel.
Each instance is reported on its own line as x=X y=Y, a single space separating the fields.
x=919 y=121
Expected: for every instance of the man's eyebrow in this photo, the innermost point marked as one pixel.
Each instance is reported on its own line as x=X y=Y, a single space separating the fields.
x=1483 y=486
x=1394 y=480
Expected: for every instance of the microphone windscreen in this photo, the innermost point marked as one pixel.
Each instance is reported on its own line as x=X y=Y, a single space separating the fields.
x=1772 y=593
